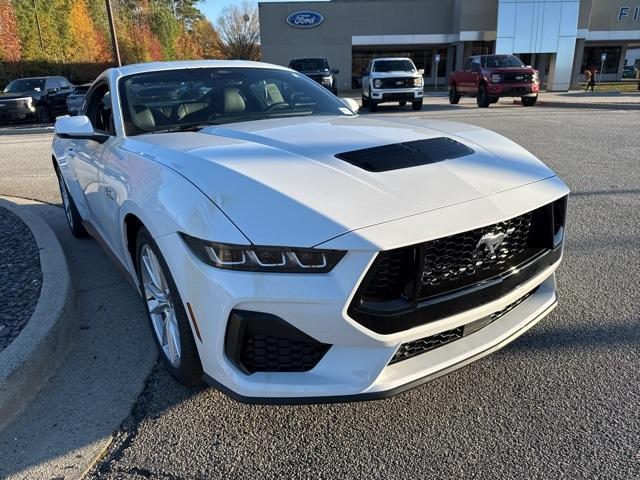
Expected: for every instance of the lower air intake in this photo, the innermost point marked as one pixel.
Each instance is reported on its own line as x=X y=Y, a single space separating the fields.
x=260 y=342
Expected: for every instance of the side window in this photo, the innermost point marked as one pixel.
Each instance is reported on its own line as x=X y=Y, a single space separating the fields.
x=475 y=65
x=97 y=107
x=50 y=84
x=467 y=64
x=64 y=84
x=369 y=67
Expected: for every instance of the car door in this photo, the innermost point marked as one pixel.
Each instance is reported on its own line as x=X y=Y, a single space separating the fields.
x=54 y=96
x=474 y=74
x=465 y=76
x=86 y=158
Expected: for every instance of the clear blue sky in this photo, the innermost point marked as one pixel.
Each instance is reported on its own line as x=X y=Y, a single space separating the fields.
x=213 y=8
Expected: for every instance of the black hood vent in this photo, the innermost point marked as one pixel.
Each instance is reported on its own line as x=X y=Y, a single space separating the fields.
x=406 y=154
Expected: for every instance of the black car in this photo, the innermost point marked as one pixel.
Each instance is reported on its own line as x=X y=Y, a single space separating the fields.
x=37 y=98
x=317 y=69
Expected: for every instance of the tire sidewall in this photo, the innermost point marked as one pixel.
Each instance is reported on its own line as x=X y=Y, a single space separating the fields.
x=189 y=370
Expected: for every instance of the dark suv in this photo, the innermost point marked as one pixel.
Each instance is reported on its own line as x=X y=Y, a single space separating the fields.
x=37 y=98
x=317 y=69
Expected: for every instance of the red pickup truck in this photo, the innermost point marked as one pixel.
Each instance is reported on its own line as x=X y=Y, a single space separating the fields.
x=489 y=77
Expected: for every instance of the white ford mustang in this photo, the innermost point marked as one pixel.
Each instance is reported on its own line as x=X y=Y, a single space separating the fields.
x=289 y=250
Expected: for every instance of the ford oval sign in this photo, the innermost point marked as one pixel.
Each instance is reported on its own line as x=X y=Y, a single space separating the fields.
x=305 y=19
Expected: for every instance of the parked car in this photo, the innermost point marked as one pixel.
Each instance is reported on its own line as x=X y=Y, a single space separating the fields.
x=317 y=69
x=392 y=80
x=76 y=98
x=629 y=71
x=490 y=77
x=289 y=250
x=37 y=98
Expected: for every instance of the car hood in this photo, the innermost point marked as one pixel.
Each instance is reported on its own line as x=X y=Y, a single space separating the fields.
x=13 y=96
x=280 y=182
x=315 y=72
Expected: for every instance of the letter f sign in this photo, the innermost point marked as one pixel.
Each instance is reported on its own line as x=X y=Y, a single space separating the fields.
x=624 y=12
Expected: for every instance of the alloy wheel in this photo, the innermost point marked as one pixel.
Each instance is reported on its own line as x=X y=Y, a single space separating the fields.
x=161 y=308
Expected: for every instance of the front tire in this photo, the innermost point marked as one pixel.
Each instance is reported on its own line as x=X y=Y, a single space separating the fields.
x=529 y=101
x=373 y=105
x=43 y=115
x=483 y=99
x=416 y=106
x=454 y=96
x=166 y=314
x=71 y=212
x=365 y=102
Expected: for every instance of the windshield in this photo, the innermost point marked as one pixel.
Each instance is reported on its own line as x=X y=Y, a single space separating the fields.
x=503 y=61
x=25 y=85
x=309 y=64
x=194 y=98
x=394 y=66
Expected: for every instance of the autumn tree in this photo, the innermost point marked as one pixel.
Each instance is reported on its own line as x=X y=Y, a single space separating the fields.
x=87 y=44
x=239 y=32
x=10 y=48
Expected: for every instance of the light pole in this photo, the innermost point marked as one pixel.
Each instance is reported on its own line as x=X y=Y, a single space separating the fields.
x=114 y=39
x=35 y=10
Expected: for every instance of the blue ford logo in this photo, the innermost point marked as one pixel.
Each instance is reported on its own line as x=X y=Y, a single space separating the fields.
x=305 y=19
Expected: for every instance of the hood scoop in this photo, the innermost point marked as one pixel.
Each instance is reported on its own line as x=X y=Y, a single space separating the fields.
x=406 y=154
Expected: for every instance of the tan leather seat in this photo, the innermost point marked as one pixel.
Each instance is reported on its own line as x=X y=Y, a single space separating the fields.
x=233 y=101
x=189 y=108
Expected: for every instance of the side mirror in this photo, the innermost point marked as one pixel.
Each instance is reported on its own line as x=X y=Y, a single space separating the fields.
x=77 y=128
x=52 y=90
x=351 y=104
x=421 y=71
x=335 y=71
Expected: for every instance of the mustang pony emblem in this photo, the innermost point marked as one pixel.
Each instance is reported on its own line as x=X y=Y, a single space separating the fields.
x=490 y=242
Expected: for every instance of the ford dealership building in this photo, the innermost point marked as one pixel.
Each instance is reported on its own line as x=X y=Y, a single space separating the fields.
x=559 y=37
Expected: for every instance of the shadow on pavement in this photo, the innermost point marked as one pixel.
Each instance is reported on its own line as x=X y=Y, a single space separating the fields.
x=71 y=421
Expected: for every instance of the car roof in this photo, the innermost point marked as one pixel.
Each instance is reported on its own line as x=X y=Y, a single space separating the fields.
x=178 y=65
x=391 y=58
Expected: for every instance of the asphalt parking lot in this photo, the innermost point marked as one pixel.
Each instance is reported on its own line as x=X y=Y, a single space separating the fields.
x=560 y=402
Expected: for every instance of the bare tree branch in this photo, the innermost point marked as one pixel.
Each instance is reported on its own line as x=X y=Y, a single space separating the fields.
x=239 y=32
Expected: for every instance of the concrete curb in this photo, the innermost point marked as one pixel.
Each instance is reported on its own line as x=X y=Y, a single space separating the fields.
x=588 y=105
x=26 y=130
x=41 y=347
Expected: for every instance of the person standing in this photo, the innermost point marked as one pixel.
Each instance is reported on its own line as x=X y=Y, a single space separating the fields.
x=590 y=76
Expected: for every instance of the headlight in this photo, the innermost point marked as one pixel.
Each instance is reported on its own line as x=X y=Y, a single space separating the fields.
x=327 y=81
x=253 y=258
x=496 y=78
x=418 y=81
x=377 y=83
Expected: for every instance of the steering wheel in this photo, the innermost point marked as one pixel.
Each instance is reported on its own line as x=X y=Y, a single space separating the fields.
x=277 y=106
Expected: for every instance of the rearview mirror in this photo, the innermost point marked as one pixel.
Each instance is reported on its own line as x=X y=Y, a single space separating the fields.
x=351 y=104
x=77 y=128
x=421 y=71
x=335 y=71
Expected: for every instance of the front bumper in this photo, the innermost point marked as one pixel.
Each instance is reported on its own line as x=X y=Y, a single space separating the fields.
x=399 y=95
x=514 y=90
x=16 y=113
x=357 y=364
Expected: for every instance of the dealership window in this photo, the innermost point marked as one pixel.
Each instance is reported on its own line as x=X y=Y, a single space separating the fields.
x=593 y=58
x=422 y=58
x=483 y=48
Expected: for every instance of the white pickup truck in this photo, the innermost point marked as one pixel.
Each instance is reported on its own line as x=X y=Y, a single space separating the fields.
x=392 y=80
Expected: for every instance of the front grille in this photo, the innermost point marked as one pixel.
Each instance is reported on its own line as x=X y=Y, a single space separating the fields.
x=261 y=342
x=459 y=260
x=421 y=283
x=514 y=77
x=396 y=82
x=426 y=344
